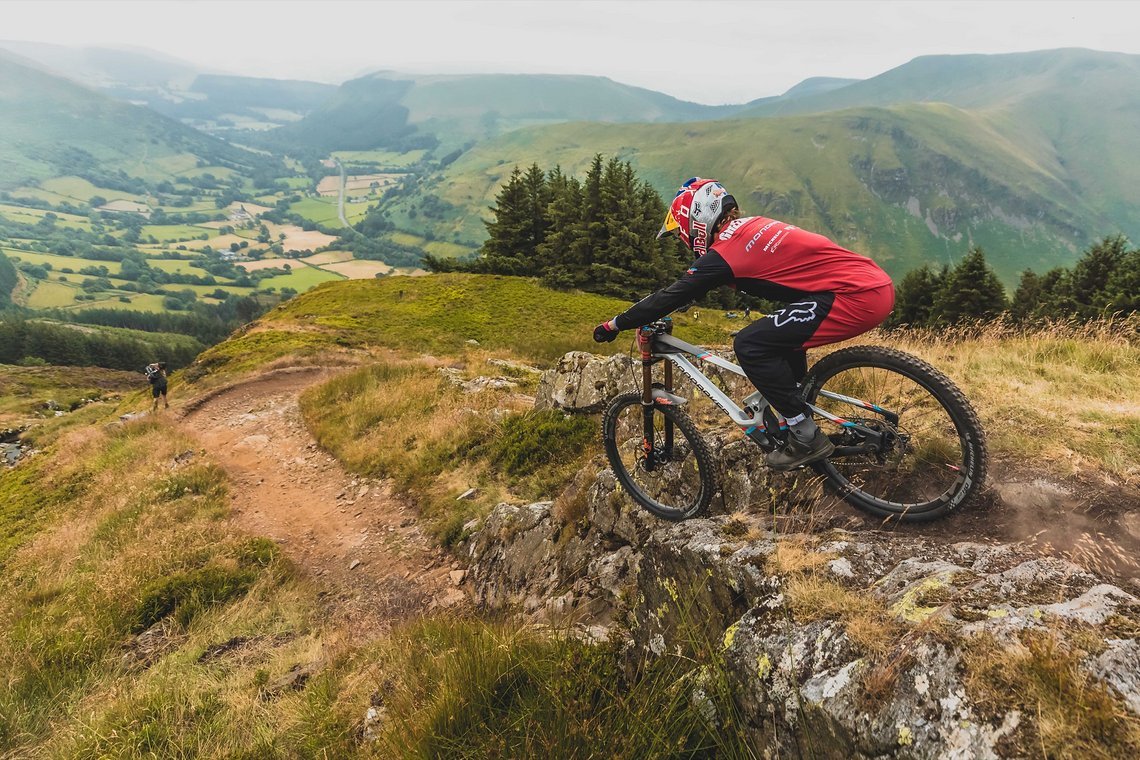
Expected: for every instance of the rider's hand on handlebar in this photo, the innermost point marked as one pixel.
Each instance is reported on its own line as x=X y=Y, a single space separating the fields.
x=605 y=332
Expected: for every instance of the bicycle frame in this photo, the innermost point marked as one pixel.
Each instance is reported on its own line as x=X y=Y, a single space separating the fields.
x=656 y=344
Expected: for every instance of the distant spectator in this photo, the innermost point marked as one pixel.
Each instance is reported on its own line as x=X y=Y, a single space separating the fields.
x=156 y=374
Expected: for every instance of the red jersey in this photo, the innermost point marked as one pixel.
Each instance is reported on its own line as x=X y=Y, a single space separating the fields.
x=756 y=248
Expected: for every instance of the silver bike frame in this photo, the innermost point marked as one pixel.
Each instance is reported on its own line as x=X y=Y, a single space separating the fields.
x=740 y=416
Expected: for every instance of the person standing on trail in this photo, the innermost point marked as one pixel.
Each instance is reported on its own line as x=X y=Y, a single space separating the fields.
x=831 y=293
x=156 y=374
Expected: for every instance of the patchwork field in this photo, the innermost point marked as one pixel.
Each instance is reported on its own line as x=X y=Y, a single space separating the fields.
x=195 y=231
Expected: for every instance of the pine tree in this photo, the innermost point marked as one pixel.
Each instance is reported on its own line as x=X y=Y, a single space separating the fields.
x=1027 y=303
x=1089 y=280
x=915 y=296
x=1122 y=290
x=972 y=291
x=591 y=229
x=510 y=245
x=564 y=215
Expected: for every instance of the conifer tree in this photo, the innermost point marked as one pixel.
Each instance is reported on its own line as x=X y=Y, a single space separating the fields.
x=915 y=296
x=1089 y=280
x=564 y=214
x=1122 y=289
x=509 y=248
x=1028 y=301
x=972 y=291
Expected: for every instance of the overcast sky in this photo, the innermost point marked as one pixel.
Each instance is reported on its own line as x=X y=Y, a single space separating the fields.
x=701 y=50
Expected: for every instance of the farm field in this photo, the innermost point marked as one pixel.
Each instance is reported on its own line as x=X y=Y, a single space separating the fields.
x=175 y=233
x=434 y=247
x=330 y=186
x=25 y=215
x=385 y=158
x=256 y=266
x=78 y=189
x=319 y=210
x=301 y=278
x=359 y=269
x=197 y=224
x=174 y=266
x=56 y=261
x=328 y=257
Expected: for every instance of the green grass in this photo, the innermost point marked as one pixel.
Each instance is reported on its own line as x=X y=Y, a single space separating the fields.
x=174 y=265
x=24 y=215
x=173 y=233
x=384 y=158
x=50 y=295
x=60 y=262
x=79 y=189
x=129 y=543
x=301 y=278
x=319 y=210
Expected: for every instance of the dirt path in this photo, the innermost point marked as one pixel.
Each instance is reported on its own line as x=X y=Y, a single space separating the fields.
x=352 y=536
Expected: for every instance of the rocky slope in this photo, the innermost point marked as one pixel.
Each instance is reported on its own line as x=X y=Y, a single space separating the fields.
x=835 y=642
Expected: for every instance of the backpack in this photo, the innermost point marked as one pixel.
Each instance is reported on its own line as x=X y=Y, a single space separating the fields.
x=152 y=373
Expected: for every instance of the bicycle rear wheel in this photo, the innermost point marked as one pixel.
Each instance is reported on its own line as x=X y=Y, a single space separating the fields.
x=677 y=481
x=928 y=462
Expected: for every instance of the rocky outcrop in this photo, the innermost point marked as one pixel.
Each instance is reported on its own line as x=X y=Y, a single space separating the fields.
x=857 y=644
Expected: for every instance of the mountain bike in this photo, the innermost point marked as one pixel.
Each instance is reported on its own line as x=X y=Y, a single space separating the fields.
x=908 y=445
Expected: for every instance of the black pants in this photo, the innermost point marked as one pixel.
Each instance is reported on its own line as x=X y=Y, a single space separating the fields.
x=771 y=350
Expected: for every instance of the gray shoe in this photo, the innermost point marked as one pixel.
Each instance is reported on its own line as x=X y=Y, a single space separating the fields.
x=796 y=454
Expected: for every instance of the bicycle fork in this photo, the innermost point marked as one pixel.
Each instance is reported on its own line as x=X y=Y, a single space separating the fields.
x=651 y=455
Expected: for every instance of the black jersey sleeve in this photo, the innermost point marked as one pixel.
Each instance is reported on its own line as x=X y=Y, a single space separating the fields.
x=707 y=272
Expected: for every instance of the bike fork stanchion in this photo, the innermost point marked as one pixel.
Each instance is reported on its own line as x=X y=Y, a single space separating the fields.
x=668 y=422
x=647 y=414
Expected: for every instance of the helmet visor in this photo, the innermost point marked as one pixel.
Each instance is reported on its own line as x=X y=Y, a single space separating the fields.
x=670 y=225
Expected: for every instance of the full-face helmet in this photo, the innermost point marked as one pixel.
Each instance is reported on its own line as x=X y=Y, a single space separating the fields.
x=695 y=211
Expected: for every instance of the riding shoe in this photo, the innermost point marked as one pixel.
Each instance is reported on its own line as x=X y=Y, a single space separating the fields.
x=797 y=454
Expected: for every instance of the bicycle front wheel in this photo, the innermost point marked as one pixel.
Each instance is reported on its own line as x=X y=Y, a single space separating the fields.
x=674 y=478
x=928 y=453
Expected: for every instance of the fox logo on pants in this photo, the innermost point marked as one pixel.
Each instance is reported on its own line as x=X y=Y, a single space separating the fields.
x=804 y=311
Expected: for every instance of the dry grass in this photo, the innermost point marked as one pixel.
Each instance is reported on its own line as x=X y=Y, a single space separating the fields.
x=405 y=420
x=1071 y=716
x=127 y=526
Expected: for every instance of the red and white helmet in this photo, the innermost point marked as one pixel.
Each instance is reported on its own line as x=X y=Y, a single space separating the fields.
x=695 y=211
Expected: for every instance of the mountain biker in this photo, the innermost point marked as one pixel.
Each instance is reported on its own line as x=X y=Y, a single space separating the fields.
x=831 y=293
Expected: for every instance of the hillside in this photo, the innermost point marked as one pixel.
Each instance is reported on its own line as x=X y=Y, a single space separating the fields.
x=907 y=185
x=298 y=559
x=50 y=126
x=1083 y=106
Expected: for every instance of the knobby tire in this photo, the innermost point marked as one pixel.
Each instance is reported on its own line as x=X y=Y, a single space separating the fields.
x=909 y=484
x=695 y=460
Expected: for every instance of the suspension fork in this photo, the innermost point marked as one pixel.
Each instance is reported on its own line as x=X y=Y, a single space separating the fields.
x=653 y=455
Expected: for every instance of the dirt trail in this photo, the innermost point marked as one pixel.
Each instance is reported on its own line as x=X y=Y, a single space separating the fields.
x=352 y=536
